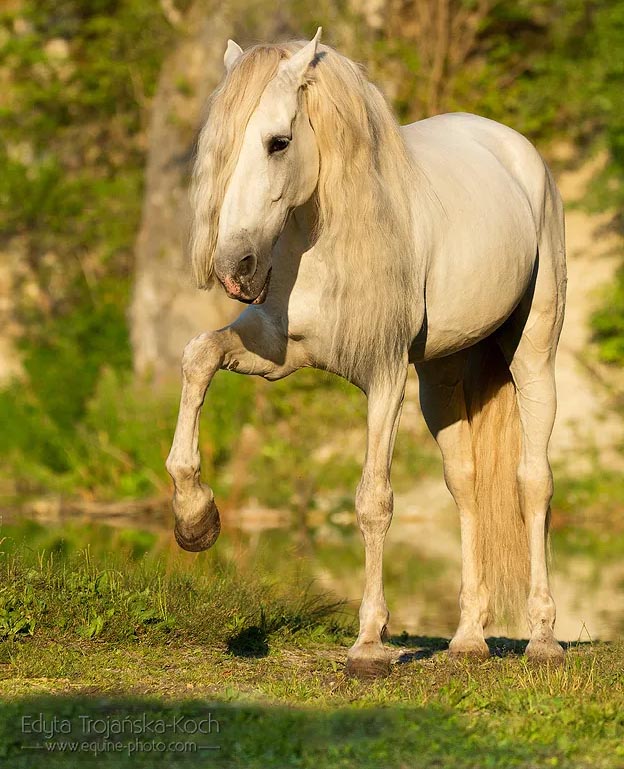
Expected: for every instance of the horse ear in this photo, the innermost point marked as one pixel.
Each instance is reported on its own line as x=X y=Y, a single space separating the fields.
x=232 y=54
x=297 y=66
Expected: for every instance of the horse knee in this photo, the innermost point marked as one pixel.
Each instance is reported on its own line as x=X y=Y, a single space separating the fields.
x=202 y=356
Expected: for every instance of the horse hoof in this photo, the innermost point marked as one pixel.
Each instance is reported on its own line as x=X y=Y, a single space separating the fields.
x=473 y=648
x=198 y=528
x=368 y=664
x=545 y=651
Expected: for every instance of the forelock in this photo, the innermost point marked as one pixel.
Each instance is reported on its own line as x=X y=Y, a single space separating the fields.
x=229 y=110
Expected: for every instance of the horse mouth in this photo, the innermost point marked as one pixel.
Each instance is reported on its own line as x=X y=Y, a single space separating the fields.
x=265 y=289
x=259 y=299
x=263 y=292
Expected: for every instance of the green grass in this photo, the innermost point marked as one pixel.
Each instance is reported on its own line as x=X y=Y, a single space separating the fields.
x=132 y=586
x=129 y=629
x=294 y=707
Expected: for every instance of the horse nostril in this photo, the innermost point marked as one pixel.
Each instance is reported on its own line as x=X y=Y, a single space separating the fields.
x=246 y=266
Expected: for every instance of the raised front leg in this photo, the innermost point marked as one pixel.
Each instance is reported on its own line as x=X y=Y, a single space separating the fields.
x=373 y=504
x=197 y=523
x=248 y=347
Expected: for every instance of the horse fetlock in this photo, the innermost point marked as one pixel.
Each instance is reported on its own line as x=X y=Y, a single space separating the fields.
x=182 y=472
x=197 y=522
x=541 y=613
x=543 y=647
x=374 y=617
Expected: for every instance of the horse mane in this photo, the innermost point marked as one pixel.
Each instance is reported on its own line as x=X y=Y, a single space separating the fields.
x=365 y=222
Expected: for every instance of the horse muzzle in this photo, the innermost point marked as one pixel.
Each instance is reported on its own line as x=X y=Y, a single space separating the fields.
x=244 y=291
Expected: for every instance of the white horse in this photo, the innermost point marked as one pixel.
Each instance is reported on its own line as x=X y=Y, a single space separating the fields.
x=363 y=247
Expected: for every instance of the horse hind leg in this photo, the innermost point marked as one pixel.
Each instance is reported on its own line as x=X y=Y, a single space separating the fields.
x=444 y=409
x=533 y=375
x=529 y=341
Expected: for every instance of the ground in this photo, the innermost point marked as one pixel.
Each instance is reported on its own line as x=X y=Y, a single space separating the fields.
x=294 y=707
x=146 y=662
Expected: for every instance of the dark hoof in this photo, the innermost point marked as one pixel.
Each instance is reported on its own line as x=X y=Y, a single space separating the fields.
x=198 y=528
x=545 y=652
x=366 y=668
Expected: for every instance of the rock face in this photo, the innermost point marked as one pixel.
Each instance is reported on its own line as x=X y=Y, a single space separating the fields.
x=166 y=309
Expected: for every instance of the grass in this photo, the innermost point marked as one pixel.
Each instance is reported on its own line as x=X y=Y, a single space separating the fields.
x=131 y=586
x=294 y=707
x=127 y=635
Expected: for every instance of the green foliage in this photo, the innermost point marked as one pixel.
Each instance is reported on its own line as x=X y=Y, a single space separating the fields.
x=298 y=458
x=72 y=152
x=72 y=142
x=605 y=64
x=587 y=516
x=608 y=323
x=19 y=608
x=265 y=441
x=117 y=448
x=113 y=591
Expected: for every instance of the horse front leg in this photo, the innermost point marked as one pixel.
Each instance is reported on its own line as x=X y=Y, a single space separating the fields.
x=197 y=523
x=373 y=504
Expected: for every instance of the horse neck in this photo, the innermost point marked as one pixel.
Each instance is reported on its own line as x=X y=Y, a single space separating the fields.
x=295 y=247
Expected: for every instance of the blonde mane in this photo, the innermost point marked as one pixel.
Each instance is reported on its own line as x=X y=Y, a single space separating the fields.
x=365 y=221
x=365 y=226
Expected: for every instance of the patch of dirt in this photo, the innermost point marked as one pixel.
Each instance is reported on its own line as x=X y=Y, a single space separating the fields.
x=585 y=415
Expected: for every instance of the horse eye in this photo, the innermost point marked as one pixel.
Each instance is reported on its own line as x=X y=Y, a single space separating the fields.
x=278 y=144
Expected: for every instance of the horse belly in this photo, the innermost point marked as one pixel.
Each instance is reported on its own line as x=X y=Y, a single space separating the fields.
x=464 y=314
x=471 y=291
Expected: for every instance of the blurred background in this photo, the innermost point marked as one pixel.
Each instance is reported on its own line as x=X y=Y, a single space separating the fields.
x=100 y=106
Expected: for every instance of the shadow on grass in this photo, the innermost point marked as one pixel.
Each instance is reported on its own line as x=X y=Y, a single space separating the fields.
x=69 y=731
x=516 y=647
x=426 y=646
x=415 y=647
x=252 y=641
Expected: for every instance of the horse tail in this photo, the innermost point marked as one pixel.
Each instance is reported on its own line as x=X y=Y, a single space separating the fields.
x=501 y=545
